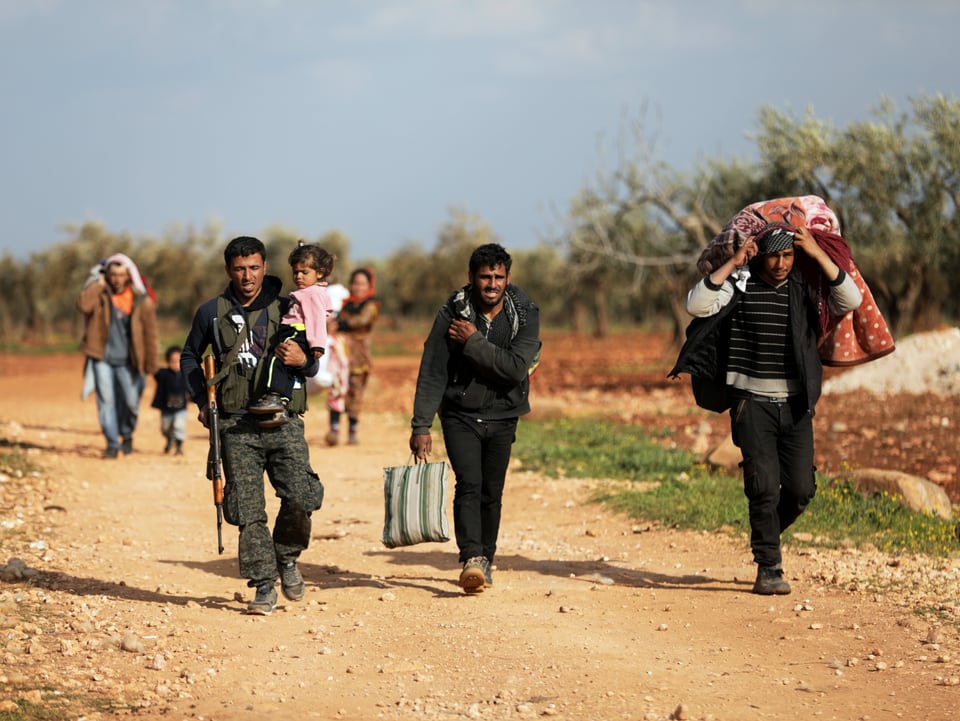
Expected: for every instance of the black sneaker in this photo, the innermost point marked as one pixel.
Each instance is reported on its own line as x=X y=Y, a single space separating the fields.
x=127 y=446
x=770 y=581
x=473 y=576
x=270 y=403
x=265 y=600
x=111 y=453
x=291 y=582
x=167 y=448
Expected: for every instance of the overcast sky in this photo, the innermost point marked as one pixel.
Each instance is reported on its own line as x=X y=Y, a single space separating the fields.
x=376 y=117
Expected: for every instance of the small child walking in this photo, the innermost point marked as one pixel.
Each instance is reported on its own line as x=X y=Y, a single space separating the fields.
x=170 y=399
x=305 y=323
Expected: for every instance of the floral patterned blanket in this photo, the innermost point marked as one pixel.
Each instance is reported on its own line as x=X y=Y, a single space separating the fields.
x=857 y=337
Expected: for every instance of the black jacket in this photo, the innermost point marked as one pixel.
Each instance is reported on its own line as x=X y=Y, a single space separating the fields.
x=206 y=332
x=478 y=378
x=704 y=353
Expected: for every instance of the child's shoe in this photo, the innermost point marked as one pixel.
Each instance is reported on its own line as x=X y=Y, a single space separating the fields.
x=270 y=403
x=280 y=418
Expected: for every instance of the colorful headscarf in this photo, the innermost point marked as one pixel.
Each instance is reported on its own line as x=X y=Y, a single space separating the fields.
x=371 y=276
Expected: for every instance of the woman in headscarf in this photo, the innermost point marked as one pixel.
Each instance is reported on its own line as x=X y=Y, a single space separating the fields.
x=355 y=321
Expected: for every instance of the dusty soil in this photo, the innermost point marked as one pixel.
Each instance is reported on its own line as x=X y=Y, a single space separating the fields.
x=125 y=609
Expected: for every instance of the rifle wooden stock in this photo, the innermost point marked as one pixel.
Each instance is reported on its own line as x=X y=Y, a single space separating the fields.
x=214 y=461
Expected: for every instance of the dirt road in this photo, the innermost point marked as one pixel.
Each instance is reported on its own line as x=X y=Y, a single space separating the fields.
x=592 y=616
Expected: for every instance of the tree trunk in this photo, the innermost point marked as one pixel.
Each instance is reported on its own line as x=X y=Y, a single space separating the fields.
x=600 y=312
x=676 y=287
x=907 y=306
x=579 y=316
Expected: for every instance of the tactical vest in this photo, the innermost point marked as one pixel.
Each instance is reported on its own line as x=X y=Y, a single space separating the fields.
x=239 y=384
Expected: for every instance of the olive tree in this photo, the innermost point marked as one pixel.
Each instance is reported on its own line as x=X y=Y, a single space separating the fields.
x=649 y=223
x=894 y=182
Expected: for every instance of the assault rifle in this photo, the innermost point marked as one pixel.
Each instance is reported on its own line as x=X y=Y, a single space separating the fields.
x=214 y=461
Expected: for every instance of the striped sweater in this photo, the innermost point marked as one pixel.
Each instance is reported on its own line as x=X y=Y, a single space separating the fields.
x=761 y=357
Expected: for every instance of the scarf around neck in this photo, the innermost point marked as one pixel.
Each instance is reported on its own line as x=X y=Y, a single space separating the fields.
x=463 y=307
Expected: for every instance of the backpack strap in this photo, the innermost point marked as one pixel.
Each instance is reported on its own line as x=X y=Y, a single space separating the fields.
x=224 y=306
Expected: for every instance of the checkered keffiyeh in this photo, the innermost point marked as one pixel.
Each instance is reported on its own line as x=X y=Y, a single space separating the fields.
x=774 y=238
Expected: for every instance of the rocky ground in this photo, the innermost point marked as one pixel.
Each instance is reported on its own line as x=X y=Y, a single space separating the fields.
x=114 y=602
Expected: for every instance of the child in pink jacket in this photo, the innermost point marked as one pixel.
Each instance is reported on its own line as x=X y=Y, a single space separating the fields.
x=305 y=323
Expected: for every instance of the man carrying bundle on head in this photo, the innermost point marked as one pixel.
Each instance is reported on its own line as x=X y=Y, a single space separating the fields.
x=753 y=348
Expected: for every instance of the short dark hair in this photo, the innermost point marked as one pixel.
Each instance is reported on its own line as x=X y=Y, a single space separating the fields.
x=490 y=255
x=171 y=350
x=242 y=246
x=315 y=256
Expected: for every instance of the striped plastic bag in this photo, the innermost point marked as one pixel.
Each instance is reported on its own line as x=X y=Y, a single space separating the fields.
x=415 y=500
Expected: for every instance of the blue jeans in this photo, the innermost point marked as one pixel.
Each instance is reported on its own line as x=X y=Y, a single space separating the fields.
x=173 y=424
x=779 y=480
x=118 y=400
x=479 y=453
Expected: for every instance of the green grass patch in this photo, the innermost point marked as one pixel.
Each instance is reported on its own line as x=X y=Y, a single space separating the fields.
x=842 y=515
x=57 y=706
x=591 y=448
x=655 y=483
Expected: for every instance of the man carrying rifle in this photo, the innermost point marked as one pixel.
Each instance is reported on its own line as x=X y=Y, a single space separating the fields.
x=241 y=326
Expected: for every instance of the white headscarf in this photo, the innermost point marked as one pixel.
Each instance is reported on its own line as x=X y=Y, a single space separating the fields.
x=135 y=278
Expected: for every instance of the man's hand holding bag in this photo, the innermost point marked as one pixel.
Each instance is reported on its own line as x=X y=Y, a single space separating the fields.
x=415 y=504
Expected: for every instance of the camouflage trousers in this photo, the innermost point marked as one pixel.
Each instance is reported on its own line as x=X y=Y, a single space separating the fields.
x=248 y=451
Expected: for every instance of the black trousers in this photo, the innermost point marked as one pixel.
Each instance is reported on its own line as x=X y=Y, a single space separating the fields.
x=776 y=440
x=281 y=378
x=479 y=453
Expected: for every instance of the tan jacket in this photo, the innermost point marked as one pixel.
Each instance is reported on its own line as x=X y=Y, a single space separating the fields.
x=94 y=303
